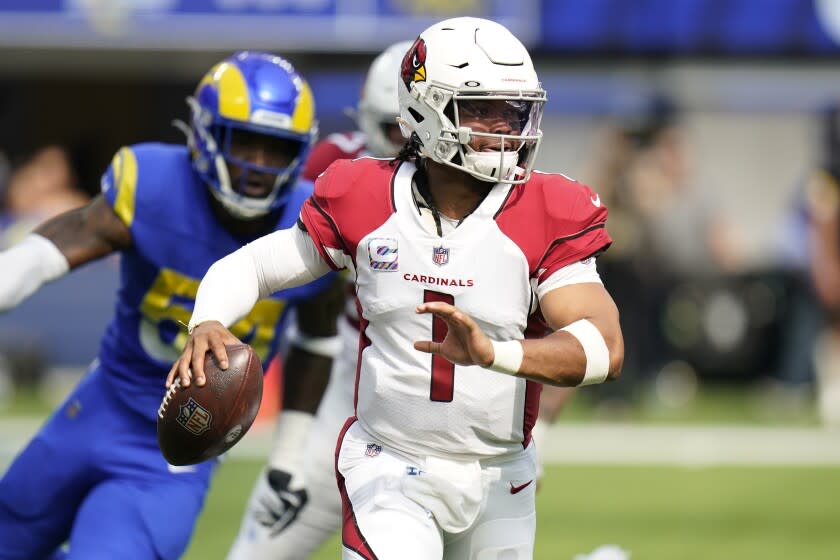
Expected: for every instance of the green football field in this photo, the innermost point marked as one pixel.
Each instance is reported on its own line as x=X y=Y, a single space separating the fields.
x=749 y=512
x=760 y=513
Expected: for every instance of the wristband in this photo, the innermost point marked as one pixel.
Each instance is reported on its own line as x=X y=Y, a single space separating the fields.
x=509 y=354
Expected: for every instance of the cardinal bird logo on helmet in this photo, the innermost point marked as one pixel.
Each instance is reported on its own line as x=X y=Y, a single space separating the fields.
x=414 y=64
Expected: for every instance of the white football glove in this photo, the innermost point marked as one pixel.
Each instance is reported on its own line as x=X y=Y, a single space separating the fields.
x=277 y=505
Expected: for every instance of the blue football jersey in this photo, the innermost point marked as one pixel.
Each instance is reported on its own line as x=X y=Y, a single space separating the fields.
x=156 y=193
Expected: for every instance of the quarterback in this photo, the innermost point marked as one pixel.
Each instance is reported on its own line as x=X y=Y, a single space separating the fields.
x=438 y=461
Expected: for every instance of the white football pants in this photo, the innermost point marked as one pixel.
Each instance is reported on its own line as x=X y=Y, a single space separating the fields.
x=398 y=507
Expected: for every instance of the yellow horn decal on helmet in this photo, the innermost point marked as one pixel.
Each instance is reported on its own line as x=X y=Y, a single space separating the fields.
x=208 y=78
x=304 y=111
x=234 y=102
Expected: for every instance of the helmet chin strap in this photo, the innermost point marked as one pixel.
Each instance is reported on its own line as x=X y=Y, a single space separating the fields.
x=405 y=127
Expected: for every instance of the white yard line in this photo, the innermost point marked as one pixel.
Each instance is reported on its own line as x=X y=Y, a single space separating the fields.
x=601 y=443
x=691 y=445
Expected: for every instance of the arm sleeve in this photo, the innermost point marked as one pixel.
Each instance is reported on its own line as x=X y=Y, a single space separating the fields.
x=280 y=260
x=576 y=273
x=27 y=266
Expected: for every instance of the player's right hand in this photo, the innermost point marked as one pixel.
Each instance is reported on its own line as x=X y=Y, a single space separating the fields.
x=209 y=336
x=465 y=343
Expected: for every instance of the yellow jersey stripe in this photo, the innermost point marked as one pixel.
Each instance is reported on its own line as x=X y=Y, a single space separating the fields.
x=125 y=181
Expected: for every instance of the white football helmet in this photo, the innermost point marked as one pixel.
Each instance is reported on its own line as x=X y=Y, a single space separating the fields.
x=455 y=67
x=379 y=104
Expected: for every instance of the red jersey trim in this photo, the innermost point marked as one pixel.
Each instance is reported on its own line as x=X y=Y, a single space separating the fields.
x=574 y=257
x=351 y=535
x=338 y=236
x=533 y=390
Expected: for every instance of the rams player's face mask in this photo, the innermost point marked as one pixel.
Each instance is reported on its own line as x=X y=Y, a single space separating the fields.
x=253 y=159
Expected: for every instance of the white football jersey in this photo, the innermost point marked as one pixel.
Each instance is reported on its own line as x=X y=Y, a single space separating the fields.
x=364 y=216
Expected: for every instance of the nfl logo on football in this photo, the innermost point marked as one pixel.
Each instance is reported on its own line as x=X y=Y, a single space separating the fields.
x=440 y=255
x=194 y=417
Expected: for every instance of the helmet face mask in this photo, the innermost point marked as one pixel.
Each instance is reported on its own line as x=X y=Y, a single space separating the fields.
x=471 y=97
x=258 y=164
x=252 y=126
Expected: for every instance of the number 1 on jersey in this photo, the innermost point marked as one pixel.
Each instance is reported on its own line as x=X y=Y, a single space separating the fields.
x=443 y=371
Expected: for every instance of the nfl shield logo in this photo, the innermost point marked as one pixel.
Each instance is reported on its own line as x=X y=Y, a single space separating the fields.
x=373 y=450
x=440 y=255
x=194 y=417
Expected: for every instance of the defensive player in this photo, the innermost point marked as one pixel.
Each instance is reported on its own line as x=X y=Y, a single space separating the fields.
x=94 y=475
x=295 y=505
x=460 y=255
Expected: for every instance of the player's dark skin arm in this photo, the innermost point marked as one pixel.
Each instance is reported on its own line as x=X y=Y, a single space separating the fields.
x=87 y=233
x=306 y=374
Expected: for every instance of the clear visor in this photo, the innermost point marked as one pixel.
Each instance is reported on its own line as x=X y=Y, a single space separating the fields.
x=498 y=135
x=500 y=113
x=508 y=116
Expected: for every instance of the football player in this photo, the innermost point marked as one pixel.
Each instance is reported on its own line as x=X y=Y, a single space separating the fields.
x=93 y=475
x=462 y=260
x=295 y=505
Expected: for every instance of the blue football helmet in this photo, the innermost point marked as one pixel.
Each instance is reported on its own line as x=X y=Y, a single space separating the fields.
x=257 y=93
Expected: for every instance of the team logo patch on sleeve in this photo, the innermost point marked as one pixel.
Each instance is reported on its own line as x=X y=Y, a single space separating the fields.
x=194 y=418
x=383 y=254
x=440 y=255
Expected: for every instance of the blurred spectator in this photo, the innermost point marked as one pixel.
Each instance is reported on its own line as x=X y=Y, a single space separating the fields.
x=793 y=377
x=41 y=188
x=823 y=197
x=682 y=229
x=667 y=231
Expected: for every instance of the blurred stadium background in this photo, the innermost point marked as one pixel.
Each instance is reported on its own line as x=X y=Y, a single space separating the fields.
x=698 y=121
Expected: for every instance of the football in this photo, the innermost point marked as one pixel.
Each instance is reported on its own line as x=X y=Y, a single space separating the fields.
x=198 y=423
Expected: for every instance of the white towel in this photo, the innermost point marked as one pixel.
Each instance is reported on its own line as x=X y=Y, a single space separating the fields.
x=451 y=490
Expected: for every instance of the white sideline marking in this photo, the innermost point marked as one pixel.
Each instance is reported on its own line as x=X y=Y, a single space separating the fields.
x=621 y=443
x=598 y=443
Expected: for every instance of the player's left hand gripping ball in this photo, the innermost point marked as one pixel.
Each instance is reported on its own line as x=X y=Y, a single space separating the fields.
x=198 y=423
